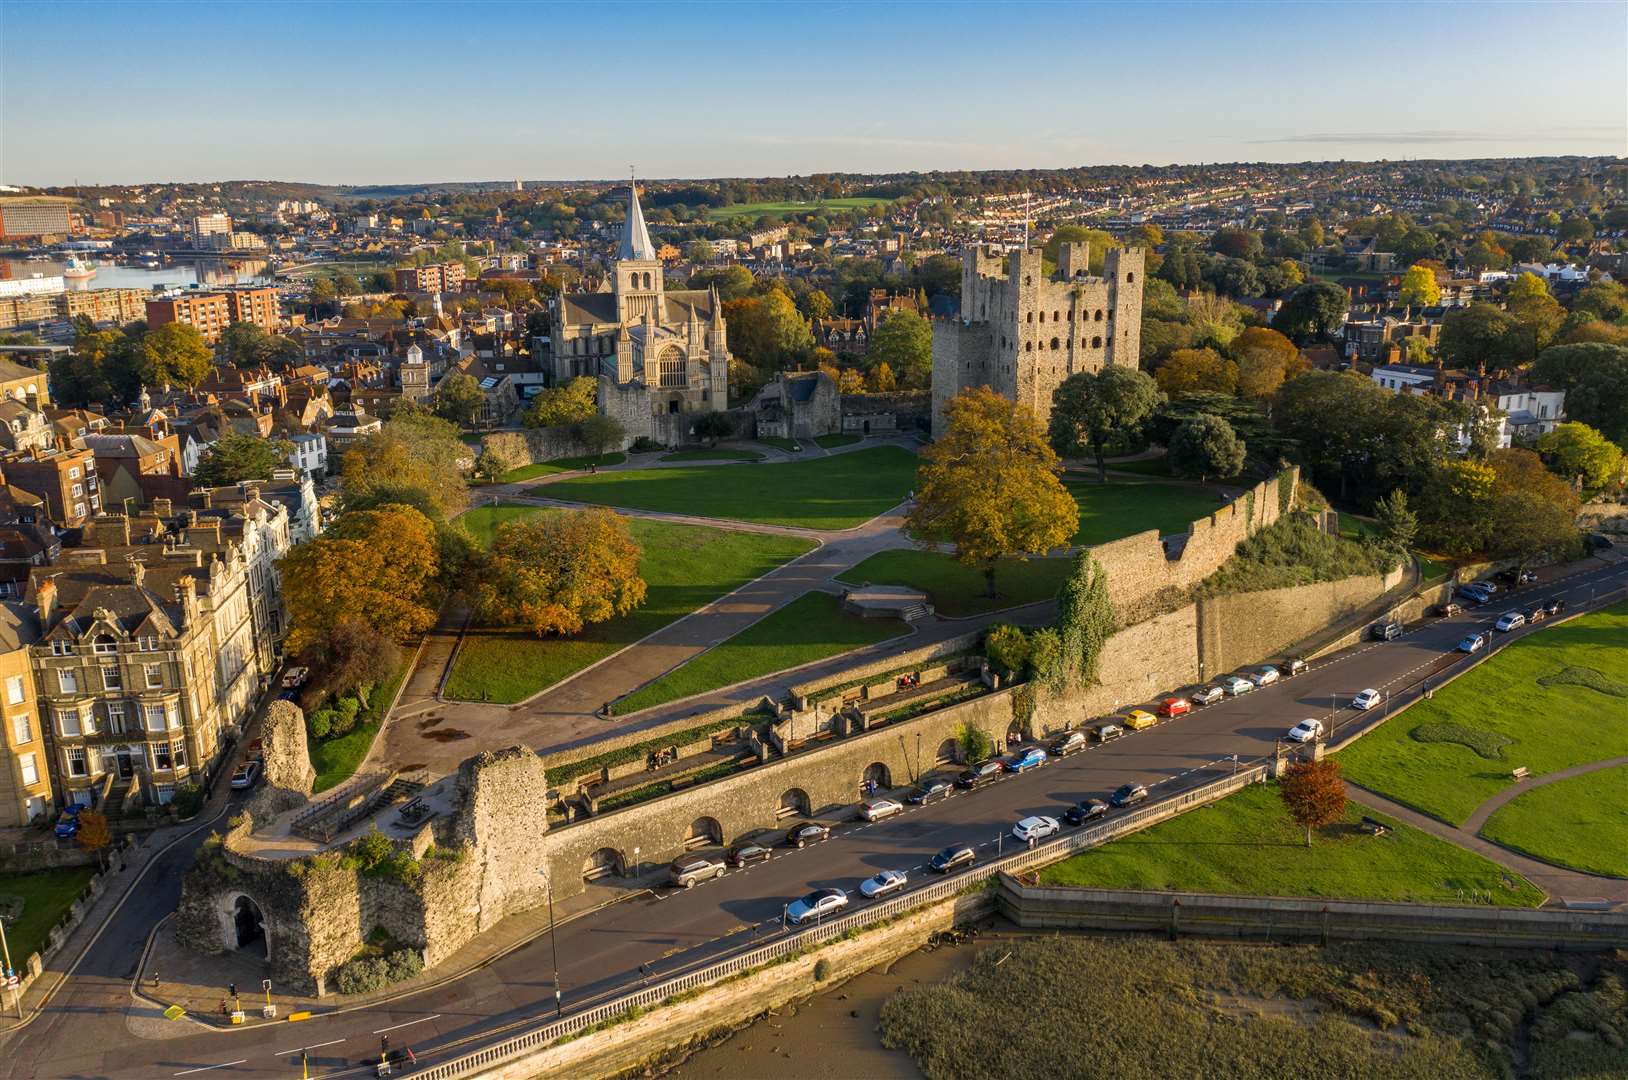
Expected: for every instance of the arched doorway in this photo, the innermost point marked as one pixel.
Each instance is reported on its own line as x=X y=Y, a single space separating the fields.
x=877 y=777
x=792 y=802
x=249 y=927
x=606 y=862
x=949 y=752
x=703 y=832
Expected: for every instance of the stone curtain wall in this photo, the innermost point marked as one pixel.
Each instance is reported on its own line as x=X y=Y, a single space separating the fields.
x=503 y=833
x=1245 y=628
x=288 y=776
x=532 y=446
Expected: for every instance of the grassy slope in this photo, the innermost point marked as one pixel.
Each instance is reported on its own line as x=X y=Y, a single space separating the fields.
x=47 y=895
x=811 y=627
x=1121 y=508
x=713 y=455
x=838 y=492
x=1248 y=844
x=558 y=465
x=831 y=442
x=1553 y=727
x=1581 y=822
x=335 y=760
x=685 y=567
x=956 y=590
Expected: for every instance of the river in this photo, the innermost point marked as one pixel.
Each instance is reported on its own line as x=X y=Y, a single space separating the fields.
x=109 y=275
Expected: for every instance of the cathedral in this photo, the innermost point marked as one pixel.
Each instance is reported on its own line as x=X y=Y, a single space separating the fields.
x=661 y=356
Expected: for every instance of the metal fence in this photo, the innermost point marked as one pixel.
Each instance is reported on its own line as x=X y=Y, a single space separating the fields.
x=798 y=941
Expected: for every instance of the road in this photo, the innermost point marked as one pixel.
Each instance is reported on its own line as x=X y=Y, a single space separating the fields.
x=601 y=952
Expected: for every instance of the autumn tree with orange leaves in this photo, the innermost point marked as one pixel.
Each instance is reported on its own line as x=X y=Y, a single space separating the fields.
x=556 y=573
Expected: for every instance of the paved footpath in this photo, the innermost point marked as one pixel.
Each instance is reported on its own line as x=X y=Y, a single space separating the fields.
x=1473 y=823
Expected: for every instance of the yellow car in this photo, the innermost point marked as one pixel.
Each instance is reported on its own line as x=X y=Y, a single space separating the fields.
x=1137 y=719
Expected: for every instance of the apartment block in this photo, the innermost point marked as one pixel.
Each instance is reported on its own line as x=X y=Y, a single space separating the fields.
x=25 y=760
x=442 y=277
x=212 y=312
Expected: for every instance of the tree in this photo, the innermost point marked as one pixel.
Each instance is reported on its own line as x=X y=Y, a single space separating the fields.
x=1538 y=313
x=174 y=355
x=1527 y=527
x=1206 y=446
x=1578 y=452
x=698 y=252
x=1482 y=338
x=350 y=655
x=559 y=406
x=1419 y=287
x=236 y=457
x=490 y=466
x=598 y=434
x=1196 y=369
x=768 y=331
x=904 y=342
x=815 y=304
x=1265 y=359
x=1313 y=793
x=990 y=485
x=974 y=743
x=1398 y=525
x=1089 y=408
x=882 y=380
x=459 y=398
x=1101 y=243
x=1595 y=378
x=1314 y=311
x=713 y=426
x=1007 y=648
x=94 y=835
x=416 y=459
x=377 y=566
x=558 y=573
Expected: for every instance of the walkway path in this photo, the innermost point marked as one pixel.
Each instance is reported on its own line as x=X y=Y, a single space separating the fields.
x=1473 y=823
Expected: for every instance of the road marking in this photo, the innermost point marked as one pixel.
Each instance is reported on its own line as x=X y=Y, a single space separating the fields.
x=408 y=1023
x=313 y=1046
x=206 y=1068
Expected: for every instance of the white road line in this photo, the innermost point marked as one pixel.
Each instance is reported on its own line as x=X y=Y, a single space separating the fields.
x=313 y=1046
x=206 y=1068
x=408 y=1023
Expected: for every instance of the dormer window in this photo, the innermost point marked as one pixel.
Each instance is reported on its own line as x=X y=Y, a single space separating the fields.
x=103 y=644
x=61 y=648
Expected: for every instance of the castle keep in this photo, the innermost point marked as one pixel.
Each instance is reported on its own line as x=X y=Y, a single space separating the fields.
x=1022 y=331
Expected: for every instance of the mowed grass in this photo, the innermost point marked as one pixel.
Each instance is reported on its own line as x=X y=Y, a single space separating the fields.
x=684 y=567
x=1581 y=822
x=1548 y=727
x=713 y=455
x=1247 y=844
x=559 y=465
x=957 y=590
x=47 y=895
x=781 y=209
x=831 y=442
x=811 y=627
x=336 y=760
x=838 y=492
x=1122 y=508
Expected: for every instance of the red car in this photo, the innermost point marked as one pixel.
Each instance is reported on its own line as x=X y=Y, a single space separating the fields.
x=1175 y=706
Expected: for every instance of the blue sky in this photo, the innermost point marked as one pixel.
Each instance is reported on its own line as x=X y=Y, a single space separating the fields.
x=411 y=92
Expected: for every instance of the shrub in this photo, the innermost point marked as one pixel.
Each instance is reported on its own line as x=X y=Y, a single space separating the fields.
x=320 y=723
x=822 y=969
x=363 y=975
x=1489 y=744
x=344 y=715
x=975 y=743
x=1294 y=551
x=188 y=800
x=404 y=964
x=644 y=444
x=372 y=850
x=1007 y=647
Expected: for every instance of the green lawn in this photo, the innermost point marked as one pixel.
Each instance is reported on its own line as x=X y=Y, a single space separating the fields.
x=1248 y=844
x=1121 y=508
x=559 y=465
x=790 y=446
x=47 y=896
x=811 y=627
x=957 y=590
x=1581 y=822
x=1528 y=705
x=781 y=209
x=684 y=566
x=831 y=442
x=714 y=455
x=335 y=760
x=837 y=492
x=1157 y=466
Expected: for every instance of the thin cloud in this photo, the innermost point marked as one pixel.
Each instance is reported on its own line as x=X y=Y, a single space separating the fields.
x=1586 y=134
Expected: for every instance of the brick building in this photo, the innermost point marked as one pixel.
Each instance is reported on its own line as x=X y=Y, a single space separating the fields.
x=438 y=277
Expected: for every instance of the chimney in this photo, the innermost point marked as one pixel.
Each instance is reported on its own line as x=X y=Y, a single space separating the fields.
x=45 y=599
x=162 y=507
x=138 y=573
x=186 y=595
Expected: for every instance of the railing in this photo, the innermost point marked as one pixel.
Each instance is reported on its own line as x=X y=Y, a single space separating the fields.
x=317 y=822
x=796 y=942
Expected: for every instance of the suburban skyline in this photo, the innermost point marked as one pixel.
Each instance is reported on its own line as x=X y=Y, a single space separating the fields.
x=441 y=93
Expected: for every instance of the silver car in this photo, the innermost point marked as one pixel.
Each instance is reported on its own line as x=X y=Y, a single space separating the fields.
x=692 y=869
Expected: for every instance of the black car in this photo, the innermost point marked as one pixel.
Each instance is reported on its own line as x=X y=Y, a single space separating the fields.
x=951 y=857
x=1067 y=743
x=1128 y=795
x=1291 y=667
x=1555 y=607
x=929 y=790
x=1107 y=732
x=748 y=853
x=981 y=773
x=807 y=834
x=1081 y=812
x=1598 y=542
x=1386 y=631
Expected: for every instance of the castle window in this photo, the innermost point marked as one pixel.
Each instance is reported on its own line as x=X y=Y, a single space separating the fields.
x=1096 y=343
x=1057 y=316
x=672 y=368
x=1029 y=317
x=1130 y=277
x=1028 y=346
x=1027 y=280
x=1054 y=344
x=1099 y=315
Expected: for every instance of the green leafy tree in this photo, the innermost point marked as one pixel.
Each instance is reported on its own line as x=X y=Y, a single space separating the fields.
x=1482 y=338
x=1538 y=314
x=768 y=331
x=1595 y=378
x=1398 y=525
x=1206 y=446
x=1527 y=528
x=1089 y=408
x=1314 y=311
x=1101 y=243
x=1419 y=287
x=713 y=426
x=236 y=457
x=1578 y=452
x=600 y=434
x=974 y=743
x=459 y=398
x=904 y=342
x=559 y=406
x=1007 y=648
x=698 y=252
x=175 y=355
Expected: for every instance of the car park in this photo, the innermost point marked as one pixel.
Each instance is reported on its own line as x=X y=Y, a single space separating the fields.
x=1085 y=810
x=880 y=809
x=1386 y=631
x=1128 y=795
x=1305 y=731
x=1209 y=695
x=979 y=774
x=933 y=788
x=1449 y=609
x=245 y=775
x=691 y=870
x=807 y=833
x=1470 y=643
x=1366 y=699
x=1067 y=743
x=888 y=881
x=951 y=857
x=1235 y=685
x=1037 y=827
x=1175 y=706
x=68 y=822
x=1137 y=719
x=1291 y=667
x=1265 y=675
x=1025 y=759
x=816 y=905
x=1509 y=620
x=1107 y=732
x=748 y=853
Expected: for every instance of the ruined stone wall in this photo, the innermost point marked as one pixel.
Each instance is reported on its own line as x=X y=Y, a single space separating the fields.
x=1246 y=628
x=287 y=776
x=503 y=841
x=532 y=446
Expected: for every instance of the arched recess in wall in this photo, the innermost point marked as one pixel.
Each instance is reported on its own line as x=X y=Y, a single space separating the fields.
x=876 y=775
x=792 y=802
x=948 y=751
x=244 y=925
x=704 y=831
x=606 y=862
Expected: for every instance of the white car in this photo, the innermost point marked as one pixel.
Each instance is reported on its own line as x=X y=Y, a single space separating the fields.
x=1236 y=684
x=1035 y=828
x=873 y=888
x=1366 y=700
x=815 y=905
x=1305 y=731
x=1509 y=620
x=1263 y=676
x=877 y=809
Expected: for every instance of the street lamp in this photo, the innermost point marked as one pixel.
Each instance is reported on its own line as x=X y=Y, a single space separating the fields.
x=7 y=973
x=553 y=943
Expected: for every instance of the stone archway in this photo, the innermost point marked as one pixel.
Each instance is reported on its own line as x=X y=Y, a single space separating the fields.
x=793 y=802
x=949 y=752
x=704 y=832
x=243 y=925
x=606 y=862
x=876 y=777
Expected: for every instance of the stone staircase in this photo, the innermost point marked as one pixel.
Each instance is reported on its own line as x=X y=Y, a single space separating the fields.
x=916 y=612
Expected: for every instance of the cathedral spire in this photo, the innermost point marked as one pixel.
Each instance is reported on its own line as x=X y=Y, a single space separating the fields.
x=635 y=237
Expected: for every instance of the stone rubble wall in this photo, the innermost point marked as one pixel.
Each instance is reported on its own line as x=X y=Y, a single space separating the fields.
x=287 y=776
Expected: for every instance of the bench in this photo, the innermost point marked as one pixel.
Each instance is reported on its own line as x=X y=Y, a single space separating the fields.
x=1374 y=827
x=1520 y=773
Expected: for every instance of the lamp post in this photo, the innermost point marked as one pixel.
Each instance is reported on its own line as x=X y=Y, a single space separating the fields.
x=553 y=943
x=8 y=974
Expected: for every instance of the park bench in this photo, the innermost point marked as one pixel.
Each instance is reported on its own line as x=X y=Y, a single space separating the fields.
x=1520 y=773
x=1374 y=827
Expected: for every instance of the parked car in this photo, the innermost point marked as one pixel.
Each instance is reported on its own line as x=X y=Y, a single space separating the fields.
x=935 y=787
x=1085 y=810
x=1470 y=643
x=1488 y=584
x=68 y=822
x=1067 y=743
x=873 y=888
x=1137 y=719
x=1305 y=731
x=1107 y=732
x=1536 y=613
x=807 y=833
x=1386 y=631
x=691 y=869
x=979 y=774
x=1037 y=827
x=1128 y=794
x=816 y=905
x=1449 y=609
x=1025 y=759
x=1595 y=541
x=1265 y=675
x=1475 y=593
x=1209 y=695
x=1513 y=576
x=1367 y=699
x=951 y=857
x=1291 y=667
x=245 y=775
x=1555 y=607
x=748 y=853
x=1175 y=706
x=880 y=809
x=1235 y=685
x=1509 y=620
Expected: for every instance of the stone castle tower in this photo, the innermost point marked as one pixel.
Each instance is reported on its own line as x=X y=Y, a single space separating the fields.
x=1022 y=331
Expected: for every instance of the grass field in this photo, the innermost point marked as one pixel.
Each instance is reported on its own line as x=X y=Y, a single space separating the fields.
x=558 y=465
x=790 y=446
x=811 y=627
x=1120 y=508
x=781 y=209
x=47 y=895
x=1581 y=822
x=713 y=455
x=1529 y=705
x=1157 y=466
x=684 y=566
x=831 y=442
x=837 y=492
x=1247 y=844
x=335 y=760
x=957 y=590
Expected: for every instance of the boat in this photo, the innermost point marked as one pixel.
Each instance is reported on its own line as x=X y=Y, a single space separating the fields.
x=77 y=269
